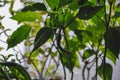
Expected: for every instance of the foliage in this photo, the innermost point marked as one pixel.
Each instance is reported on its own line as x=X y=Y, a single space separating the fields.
x=69 y=28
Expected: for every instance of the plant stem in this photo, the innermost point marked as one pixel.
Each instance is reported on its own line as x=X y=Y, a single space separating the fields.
x=62 y=62
x=107 y=28
x=96 y=58
x=104 y=57
x=88 y=71
x=68 y=54
x=96 y=55
x=83 y=72
x=66 y=51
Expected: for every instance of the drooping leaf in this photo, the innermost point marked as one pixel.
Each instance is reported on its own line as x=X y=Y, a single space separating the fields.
x=42 y=36
x=18 y=67
x=108 y=73
x=26 y=16
x=111 y=56
x=88 y=53
x=88 y=12
x=113 y=40
x=52 y=3
x=35 y=7
x=18 y=36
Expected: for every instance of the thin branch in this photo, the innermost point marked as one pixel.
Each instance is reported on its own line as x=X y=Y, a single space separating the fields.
x=66 y=51
x=83 y=72
x=96 y=56
x=40 y=77
x=105 y=13
x=104 y=57
x=88 y=71
x=62 y=62
x=44 y=65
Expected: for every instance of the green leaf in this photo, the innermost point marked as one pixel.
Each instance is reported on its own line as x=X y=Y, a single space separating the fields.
x=26 y=16
x=53 y=3
x=74 y=25
x=73 y=4
x=113 y=40
x=18 y=36
x=88 y=12
x=109 y=71
x=78 y=33
x=117 y=15
x=111 y=56
x=74 y=42
x=69 y=60
x=83 y=35
x=18 y=67
x=34 y=7
x=88 y=53
x=42 y=36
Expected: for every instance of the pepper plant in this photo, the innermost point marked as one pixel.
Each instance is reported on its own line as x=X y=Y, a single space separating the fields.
x=70 y=31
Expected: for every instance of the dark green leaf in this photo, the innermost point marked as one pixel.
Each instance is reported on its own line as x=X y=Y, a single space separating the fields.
x=117 y=15
x=39 y=6
x=34 y=7
x=18 y=67
x=109 y=71
x=64 y=2
x=18 y=36
x=42 y=36
x=28 y=8
x=78 y=33
x=81 y=2
x=53 y=3
x=88 y=12
x=26 y=16
x=113 y=40
x=88 y=53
